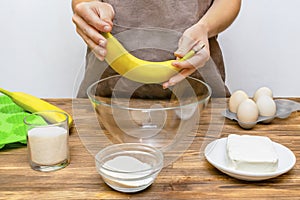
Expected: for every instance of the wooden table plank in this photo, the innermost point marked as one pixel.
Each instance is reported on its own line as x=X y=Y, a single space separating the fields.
x=190 y=177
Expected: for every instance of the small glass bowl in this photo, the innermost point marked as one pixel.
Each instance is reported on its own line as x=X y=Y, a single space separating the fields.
x=129 y=167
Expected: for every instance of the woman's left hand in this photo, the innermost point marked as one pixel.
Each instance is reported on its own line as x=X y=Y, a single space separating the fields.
x=192 y=39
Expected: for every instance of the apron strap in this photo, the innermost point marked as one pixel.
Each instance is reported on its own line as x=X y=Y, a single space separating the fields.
x=213 y=78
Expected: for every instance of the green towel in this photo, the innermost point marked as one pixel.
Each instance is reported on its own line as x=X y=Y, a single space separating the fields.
x=12 y=127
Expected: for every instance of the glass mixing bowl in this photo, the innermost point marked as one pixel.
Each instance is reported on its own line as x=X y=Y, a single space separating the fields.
x=133 y=112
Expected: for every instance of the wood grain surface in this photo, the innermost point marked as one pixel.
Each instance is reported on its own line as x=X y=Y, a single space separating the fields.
x=189 y=177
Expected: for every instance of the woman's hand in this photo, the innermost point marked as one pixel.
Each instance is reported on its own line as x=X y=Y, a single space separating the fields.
x=212 y=23
x=91 y=18
x=192 y=39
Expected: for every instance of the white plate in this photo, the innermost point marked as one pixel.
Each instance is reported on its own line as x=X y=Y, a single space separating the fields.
x=215 y=153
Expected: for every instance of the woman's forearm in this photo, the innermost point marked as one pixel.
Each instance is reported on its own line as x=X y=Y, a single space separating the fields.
x=220 y=15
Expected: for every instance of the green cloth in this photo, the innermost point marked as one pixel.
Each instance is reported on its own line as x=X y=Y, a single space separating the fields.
x=12 y=127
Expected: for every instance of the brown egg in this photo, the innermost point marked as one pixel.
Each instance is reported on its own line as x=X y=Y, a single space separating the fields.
x=262 y=91
x=266 y=106
x=235 y=99
x=247 y=111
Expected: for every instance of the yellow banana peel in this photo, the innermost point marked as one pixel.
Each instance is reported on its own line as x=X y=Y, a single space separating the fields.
x=34 y=104
x=137 y=69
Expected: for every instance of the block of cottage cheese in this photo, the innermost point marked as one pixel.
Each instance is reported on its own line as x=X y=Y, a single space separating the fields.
x=251 y=153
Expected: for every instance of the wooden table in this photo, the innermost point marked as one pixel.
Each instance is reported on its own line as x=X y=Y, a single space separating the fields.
x=189 y=177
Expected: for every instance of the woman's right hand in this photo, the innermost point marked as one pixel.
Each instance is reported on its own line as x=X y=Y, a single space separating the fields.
x=91 y=18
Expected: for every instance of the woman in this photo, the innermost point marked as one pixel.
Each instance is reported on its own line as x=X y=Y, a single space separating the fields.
x=189 y=24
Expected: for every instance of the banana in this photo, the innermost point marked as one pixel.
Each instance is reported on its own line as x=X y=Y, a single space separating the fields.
x=33 y=104
x=137 y=69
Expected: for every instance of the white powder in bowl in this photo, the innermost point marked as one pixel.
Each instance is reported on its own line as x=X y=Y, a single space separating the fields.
x=48 y=145
x=135 y=170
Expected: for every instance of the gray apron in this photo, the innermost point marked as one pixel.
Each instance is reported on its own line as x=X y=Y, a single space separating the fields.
x=150 y=30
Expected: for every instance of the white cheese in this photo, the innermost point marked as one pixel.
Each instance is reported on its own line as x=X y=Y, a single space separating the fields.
x=251 y=153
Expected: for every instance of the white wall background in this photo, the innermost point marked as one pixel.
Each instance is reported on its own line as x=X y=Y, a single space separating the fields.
x=41 y=54
x=262 y=47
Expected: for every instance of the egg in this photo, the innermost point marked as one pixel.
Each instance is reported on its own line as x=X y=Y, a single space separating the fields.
x=266 y=106
x=247 y=111
x=262 y=91
x=235 y=99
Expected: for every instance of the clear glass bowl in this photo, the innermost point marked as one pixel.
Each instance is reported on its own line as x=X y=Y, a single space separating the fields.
x=133 y=112
x=130 y=167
